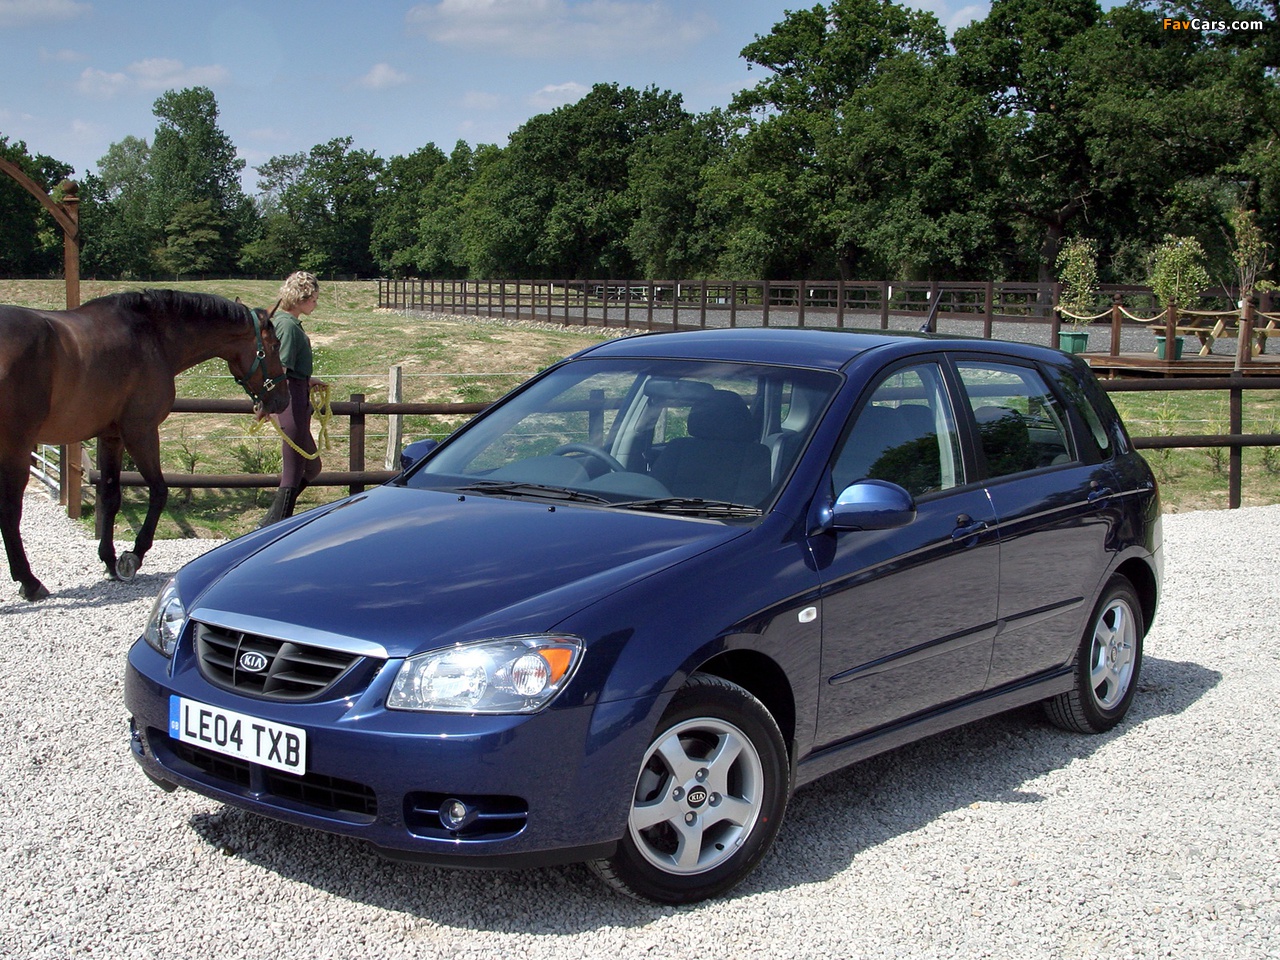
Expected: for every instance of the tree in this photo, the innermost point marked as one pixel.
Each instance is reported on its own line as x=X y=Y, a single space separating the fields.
x=404 y=191
x=669 y=235
x=557 y=196
x=195 y=241
x=191 y=161
x=30 y=241
x=113 y=213
x=324 y=204
x=859 y=154
x=1177 y=272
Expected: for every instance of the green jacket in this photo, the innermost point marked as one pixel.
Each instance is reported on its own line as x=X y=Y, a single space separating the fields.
x=295 y=345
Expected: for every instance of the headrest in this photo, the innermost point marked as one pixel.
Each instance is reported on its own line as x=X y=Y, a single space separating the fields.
x=721 y=416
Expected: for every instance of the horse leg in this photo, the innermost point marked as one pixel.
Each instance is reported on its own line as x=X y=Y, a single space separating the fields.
x=13 y=480
x=145 y=449
x=109 y=462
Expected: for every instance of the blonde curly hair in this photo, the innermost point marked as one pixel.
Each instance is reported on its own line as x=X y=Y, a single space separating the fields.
x=298 y=287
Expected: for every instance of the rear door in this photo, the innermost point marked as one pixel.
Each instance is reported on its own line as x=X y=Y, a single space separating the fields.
x=1053 y=499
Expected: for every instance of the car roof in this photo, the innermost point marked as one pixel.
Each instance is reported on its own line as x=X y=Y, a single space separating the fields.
x=818 y=348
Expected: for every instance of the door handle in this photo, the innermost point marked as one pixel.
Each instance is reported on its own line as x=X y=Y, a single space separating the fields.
x=1098 y=492
x=967 y=527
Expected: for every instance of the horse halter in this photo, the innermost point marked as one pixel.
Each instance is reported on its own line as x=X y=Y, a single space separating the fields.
x=258 y=396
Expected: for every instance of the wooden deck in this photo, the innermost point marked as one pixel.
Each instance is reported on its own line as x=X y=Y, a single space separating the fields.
x=1191 y=365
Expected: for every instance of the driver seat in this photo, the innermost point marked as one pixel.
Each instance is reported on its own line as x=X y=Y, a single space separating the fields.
x=722 y=458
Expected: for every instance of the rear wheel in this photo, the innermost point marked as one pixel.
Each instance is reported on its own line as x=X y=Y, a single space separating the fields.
x=1108 y=663
x=709 y=799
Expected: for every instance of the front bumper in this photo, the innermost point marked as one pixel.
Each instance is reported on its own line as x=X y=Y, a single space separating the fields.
x=550 y=787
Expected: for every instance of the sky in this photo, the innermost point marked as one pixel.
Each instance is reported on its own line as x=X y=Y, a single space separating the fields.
x=79 y=75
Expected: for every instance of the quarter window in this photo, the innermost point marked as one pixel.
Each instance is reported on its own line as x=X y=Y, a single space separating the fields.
x=1021 y=423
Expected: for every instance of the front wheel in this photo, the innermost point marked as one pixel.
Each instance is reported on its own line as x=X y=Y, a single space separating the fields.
x=1107 y=664
x=709 y=799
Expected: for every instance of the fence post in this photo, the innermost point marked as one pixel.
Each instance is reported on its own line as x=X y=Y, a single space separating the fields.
x=1234 y=462
x=886 y=292
x=1116 y=317
x=395 y=421
x=988 y=309
x=1170 y=332
x=355 y=454
x=764 y=298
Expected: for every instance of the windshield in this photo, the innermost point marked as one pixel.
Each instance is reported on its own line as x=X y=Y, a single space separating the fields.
x=676 y=436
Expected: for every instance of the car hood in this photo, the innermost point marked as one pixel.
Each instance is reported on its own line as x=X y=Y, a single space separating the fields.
x=415 y=569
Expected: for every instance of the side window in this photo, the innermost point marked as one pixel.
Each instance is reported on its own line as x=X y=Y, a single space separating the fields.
x=1095 y=443
x=1021 y=423
x=905 y=434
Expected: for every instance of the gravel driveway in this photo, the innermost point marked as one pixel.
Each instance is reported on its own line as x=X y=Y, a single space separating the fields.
x=1007 y=838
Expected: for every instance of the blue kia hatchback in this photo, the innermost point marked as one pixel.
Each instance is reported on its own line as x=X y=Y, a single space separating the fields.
x=624 y=613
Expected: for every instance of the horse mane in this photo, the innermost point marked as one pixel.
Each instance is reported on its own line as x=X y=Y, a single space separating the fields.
x=155 y=304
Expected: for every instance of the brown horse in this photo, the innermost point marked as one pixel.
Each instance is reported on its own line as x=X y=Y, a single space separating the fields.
x=106 y=370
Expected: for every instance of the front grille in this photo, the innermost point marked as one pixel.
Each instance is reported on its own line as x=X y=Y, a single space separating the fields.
x=315 y=790
x=292 y=671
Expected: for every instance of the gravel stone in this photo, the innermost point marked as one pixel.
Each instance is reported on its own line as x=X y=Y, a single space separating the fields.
x=1006 y=838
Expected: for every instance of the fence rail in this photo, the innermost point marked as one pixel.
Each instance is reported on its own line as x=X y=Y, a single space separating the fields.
x=356 y=477
x=684 y=304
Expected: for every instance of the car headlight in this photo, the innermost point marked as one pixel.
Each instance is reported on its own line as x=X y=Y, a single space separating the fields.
x=511 y=675
x=164 y=626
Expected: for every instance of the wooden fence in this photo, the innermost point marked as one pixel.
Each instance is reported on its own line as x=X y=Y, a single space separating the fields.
x=691 y=304
x=357 y=410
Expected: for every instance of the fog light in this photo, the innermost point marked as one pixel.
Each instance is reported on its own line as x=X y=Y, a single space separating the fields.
x=456 y=815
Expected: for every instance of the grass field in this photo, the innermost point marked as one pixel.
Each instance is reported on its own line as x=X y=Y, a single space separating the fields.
x=471 y=359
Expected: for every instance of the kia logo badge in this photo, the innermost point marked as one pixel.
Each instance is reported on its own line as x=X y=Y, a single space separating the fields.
x=253 y=661
x=697 y=797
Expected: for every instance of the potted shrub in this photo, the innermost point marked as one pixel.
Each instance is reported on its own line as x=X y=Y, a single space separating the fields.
x=1177 y=277
x=1078 y=273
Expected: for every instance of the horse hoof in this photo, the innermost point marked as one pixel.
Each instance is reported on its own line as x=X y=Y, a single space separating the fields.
x=127 y=565
x=38 y=593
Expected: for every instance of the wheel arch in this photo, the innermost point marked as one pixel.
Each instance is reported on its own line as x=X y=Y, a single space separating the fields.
x=764 y=679
x=1143 y=578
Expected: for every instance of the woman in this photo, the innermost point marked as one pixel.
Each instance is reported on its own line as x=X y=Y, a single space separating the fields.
x=298 y=298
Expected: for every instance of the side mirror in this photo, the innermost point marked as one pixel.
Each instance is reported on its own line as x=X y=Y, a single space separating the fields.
x=872 y=505
x=413 y=452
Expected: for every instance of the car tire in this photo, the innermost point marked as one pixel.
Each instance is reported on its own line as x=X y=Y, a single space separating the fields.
x=709 y=799
x=1108 y=662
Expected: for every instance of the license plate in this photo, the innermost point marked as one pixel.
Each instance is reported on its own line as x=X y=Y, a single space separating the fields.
x=234 y=734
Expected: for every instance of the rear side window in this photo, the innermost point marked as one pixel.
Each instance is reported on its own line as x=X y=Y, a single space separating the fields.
x=1021 y=423
x=1095 y=444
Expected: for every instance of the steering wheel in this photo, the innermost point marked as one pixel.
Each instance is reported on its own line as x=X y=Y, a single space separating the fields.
x=592 y=453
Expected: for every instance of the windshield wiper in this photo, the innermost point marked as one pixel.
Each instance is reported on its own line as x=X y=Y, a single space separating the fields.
x=523 y=488
x=693 y=506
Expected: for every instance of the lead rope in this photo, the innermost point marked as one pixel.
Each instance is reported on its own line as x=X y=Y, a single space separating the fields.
x=324 y=413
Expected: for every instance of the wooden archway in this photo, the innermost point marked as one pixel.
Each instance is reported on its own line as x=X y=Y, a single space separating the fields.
x=67 y=213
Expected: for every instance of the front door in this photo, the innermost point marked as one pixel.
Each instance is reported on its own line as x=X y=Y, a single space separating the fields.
x=912 y=611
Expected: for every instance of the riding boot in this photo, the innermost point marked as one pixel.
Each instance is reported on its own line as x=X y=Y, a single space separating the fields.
x=281 y=506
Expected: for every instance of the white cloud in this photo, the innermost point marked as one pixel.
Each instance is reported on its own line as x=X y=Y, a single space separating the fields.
x=557 y=95
x=22 y=13
x=148 y=76
x=552 y=29
x=382 y=76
